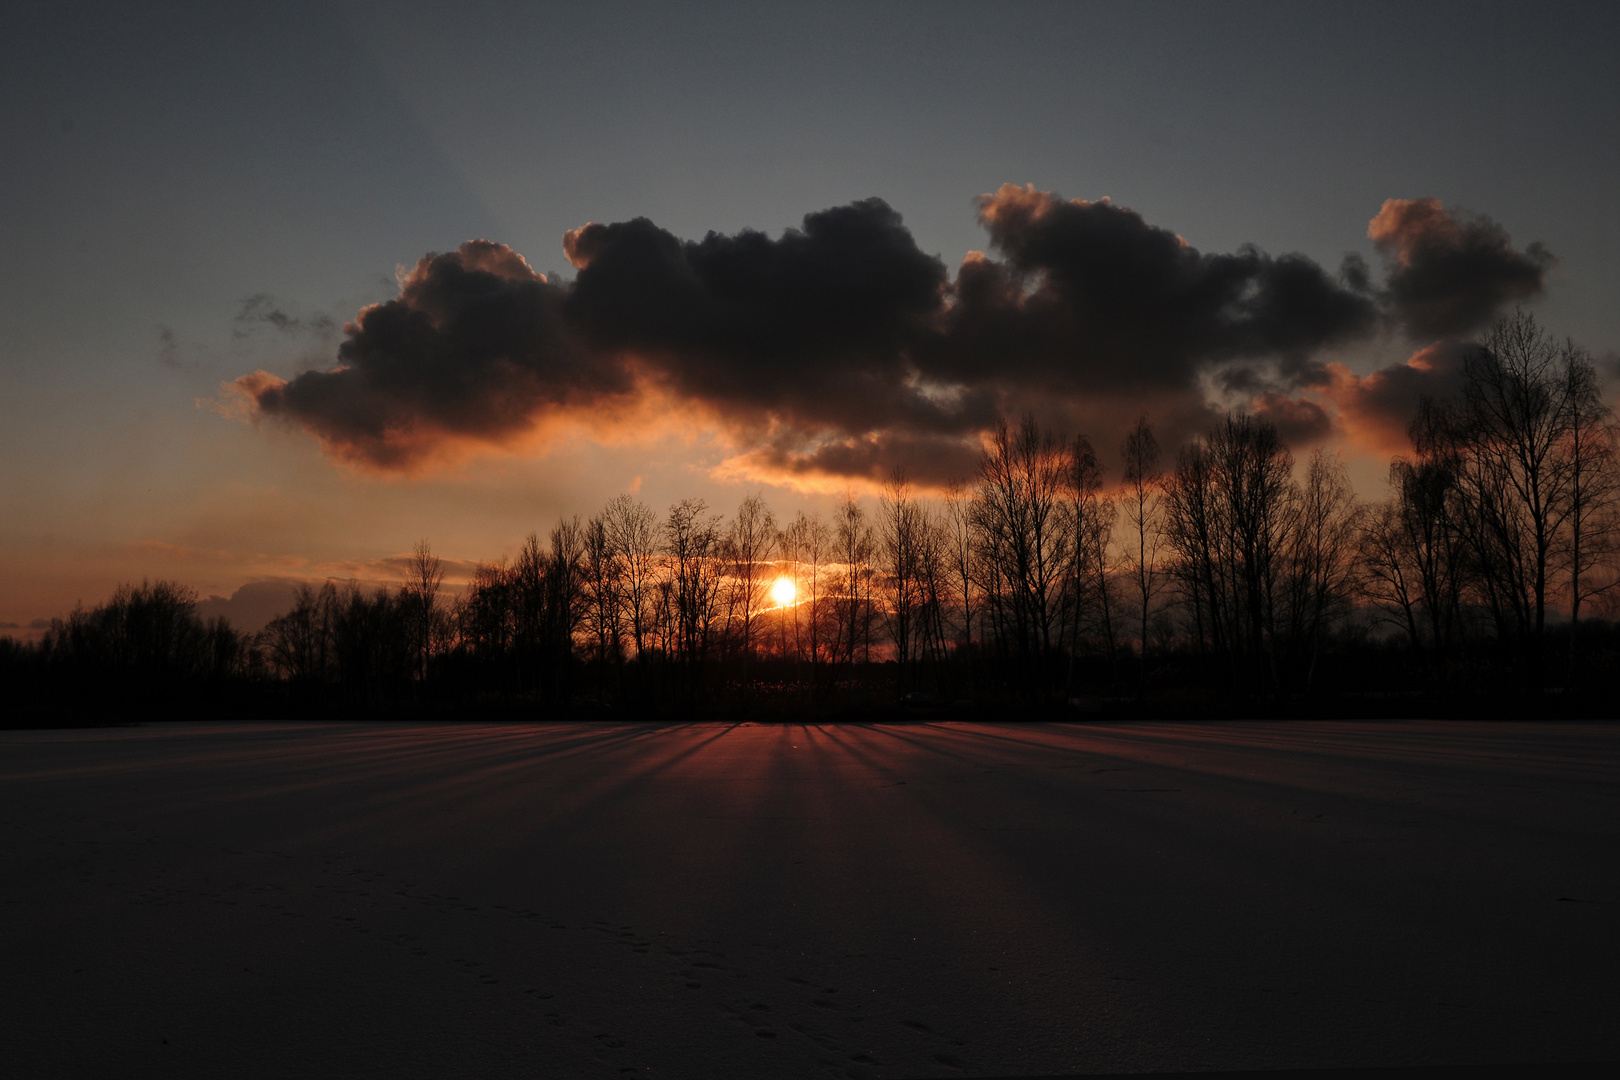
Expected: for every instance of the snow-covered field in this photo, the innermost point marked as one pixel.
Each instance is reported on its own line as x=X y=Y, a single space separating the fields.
x=781 y=901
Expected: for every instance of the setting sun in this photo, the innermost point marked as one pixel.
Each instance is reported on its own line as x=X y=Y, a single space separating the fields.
x=783 y=591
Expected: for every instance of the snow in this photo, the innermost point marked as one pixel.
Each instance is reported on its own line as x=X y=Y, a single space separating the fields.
x=710 y=900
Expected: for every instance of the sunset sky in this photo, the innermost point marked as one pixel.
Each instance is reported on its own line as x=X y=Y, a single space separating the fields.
x=1308 y=206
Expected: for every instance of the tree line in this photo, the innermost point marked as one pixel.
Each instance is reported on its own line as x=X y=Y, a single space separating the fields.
x=1229 y=572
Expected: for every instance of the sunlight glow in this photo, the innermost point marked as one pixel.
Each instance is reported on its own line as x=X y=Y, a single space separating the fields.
x=783 y=591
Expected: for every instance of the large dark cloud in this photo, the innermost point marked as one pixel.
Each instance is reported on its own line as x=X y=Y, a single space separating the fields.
x=475 y=346
x=1090 y=295
x=1450 y=273
x=840 y=348
x=813 y=330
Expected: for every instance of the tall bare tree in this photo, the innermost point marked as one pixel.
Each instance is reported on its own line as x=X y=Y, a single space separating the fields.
x=961 y=553
x=1388 y=581
x=1435 y=521
x=1017 y=511
x=1518 y=411
x=1228 y=512
x=1590 y=551
x=1412 y=551
x=424 y=574
x=528 y=583
x=603 y=568
x=1322 y=571
x=853 y=542
x=632 y=530
x=751 y=543
x=934 y=591
x=1143 y=477
x=566 y=598
x=1510 y=435
x=691 y=549
x=902 y=540
x=806 y=547
x=1093 y=517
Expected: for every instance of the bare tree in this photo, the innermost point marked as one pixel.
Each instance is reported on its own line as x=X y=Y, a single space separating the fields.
x=791 y=543
x=902 y=529
x=484 y=613
x=528 y=593
x=1093 y=517
x=423 y=576
x=934 y=590
x=299 y=642
x=811 y=543
x=1142 y=480
x=1255 y=471
x=1519 y=406
x=1389 y=582
x=1322 y=569
x=372 y=649
x=1018 y=517
x=1229 y=509
x=818 y=552
x=1412 y=550
x=1590 y=550
x=853 y=546
x=604 y=573
x=632 y=530
x=1192 y=532
x=691 y=546
x=566 y=591
x=751 y=543
x=960 y=555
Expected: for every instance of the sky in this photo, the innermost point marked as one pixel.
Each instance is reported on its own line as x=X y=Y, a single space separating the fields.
x=286 y=288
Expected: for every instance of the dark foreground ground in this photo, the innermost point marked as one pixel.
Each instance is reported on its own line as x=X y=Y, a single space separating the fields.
x=764 y=901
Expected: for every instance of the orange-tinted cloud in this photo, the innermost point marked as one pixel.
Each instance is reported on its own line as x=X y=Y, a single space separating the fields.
x=1375 y=410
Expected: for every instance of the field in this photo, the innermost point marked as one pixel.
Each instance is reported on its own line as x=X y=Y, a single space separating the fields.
x=824 y=901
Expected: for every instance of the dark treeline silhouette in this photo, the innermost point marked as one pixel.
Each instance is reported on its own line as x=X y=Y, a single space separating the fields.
x=144 y=649
x=1231 y=578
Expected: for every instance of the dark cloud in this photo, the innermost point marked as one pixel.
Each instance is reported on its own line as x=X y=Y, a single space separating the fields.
x=1451 y=273
x=840 y=349
x=808 y=334
x=475 y=347
x=1300 y=421
x=812 y=330
x=928 y=459
x=1090 y=296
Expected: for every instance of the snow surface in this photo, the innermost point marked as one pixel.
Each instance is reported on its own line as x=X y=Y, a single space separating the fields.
x=712 y=900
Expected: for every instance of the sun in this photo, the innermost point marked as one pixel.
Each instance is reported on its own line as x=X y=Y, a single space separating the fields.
x=783 y=591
